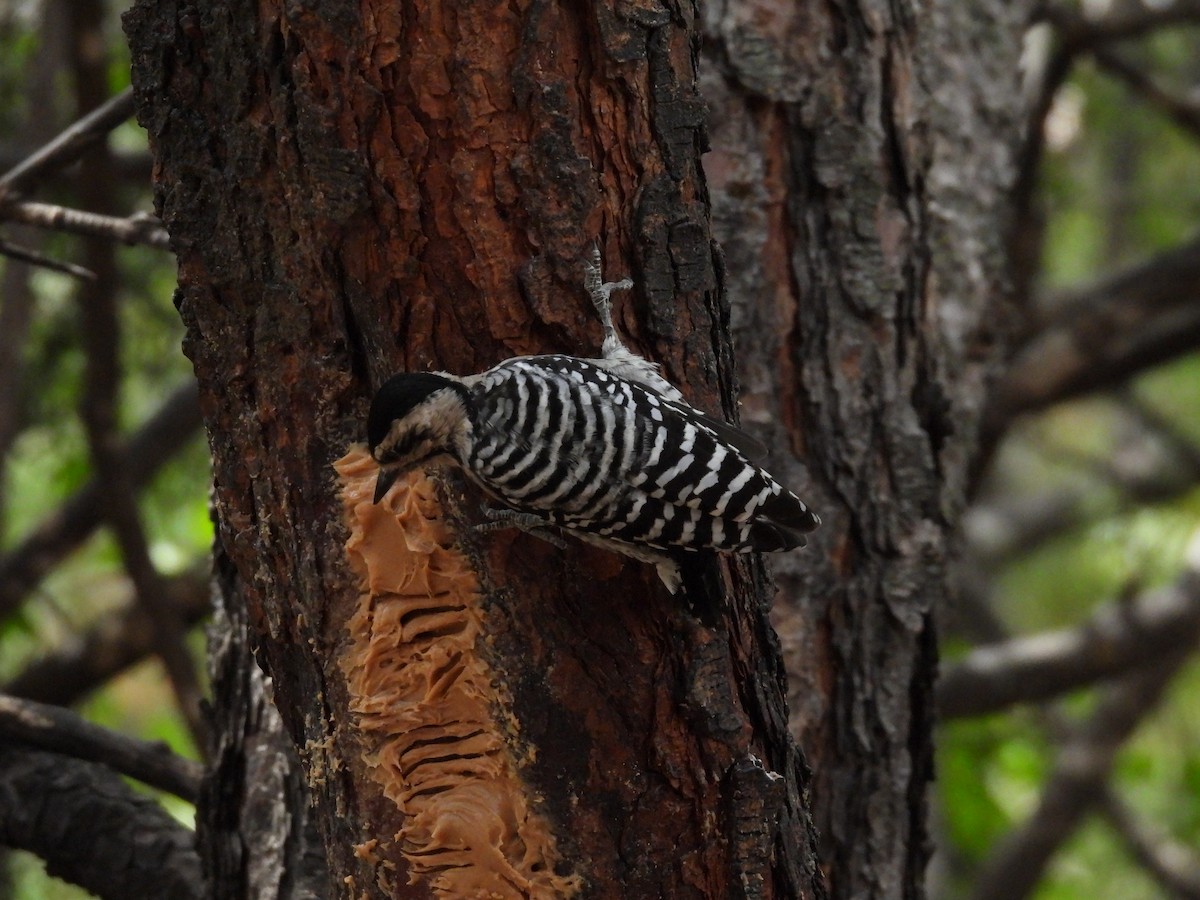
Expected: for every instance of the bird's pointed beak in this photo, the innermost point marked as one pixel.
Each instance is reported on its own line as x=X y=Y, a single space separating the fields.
x=384 y=481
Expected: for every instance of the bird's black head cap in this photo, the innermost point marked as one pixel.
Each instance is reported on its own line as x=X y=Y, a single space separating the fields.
x=397 y=398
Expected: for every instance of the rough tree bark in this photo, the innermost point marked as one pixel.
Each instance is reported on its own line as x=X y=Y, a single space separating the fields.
x=354 y=188
x=863 y=156
x=92 y=829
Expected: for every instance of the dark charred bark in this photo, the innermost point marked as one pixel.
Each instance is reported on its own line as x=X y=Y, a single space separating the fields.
x=92 y=829
x=255 y=826
x=358 y=188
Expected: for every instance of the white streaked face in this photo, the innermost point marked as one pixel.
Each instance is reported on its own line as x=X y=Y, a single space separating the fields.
x=421 y=436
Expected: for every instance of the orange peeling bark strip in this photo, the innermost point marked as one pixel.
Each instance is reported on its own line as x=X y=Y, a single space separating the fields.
x=426 y=702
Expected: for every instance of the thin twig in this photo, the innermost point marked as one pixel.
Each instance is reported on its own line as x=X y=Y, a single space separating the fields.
x=62 y=731
x=34 y=258
x=159 y=439
x=68 y=146
x=1185 y=115
x=139 y=228
x=1172 y=864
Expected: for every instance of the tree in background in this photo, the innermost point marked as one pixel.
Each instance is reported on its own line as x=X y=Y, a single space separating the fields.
x=339 y=213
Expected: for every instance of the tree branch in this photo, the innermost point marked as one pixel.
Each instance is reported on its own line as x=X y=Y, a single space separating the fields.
x=139 y=228
x=1075 y=785
x=68 y=146
x=59 y=730
x=132 y=167
x=117 y=641
x=1025 y=244
x=1173 y=865
x=1185 y=115
x=93 y=830
x=1137 y=319
x=1081 y=34
x=160 y=438
x=1116 y=640
x=1074 y=35
x=42 y=261
x=1000 y=531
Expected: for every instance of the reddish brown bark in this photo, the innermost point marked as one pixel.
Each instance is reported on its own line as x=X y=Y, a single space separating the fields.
x=354 y=188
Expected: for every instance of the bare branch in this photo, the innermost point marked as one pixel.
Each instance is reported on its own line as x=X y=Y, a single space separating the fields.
x=68 y=146
x=1025 y=249
x=140 y=228
x=132 y=167
x=97 y=303
x=157 y=441
x=1081 y=34
x=59 y=730
x=1173 y=865
x=1114 y=641
x=1185 y=115
x=93 y=829
x=1008 y=527
x=1074 y=35
x=118 y=640
x=1075 y=785
x=34 y=258
x=1137 y=319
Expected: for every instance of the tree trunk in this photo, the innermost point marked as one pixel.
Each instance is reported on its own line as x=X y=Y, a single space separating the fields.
x=862 y=162
x=356 y=189
x=254 y=823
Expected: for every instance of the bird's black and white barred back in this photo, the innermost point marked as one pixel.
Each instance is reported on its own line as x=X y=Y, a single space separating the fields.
x=604 y=448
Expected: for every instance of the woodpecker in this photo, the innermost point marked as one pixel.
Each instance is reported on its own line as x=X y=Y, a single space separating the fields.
x=605 y=449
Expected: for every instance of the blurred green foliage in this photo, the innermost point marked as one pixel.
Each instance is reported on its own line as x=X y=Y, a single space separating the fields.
x=48 y=461
x=1119 y=182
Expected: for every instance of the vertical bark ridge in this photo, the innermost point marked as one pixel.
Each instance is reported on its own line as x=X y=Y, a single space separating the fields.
x=356 y=187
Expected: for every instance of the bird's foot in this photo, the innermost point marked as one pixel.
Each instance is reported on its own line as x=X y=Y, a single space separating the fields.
x=601 y=293
x=527 y=522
